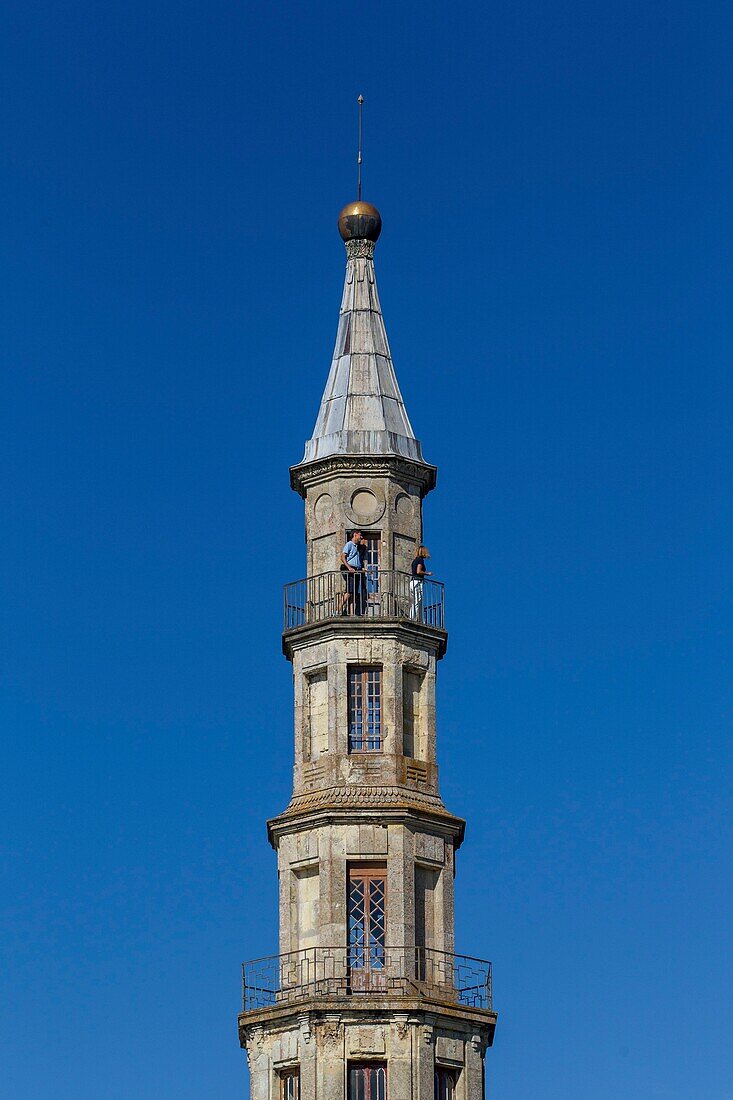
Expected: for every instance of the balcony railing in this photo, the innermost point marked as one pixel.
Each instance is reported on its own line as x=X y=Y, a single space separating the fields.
x=373 y=594
x=323 y=972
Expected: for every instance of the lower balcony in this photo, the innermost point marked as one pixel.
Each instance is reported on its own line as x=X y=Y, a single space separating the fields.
x=323 y=972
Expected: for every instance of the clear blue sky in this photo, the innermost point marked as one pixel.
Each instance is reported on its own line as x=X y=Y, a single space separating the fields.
x=555 y=271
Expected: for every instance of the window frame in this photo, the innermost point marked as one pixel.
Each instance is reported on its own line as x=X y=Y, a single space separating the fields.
x=289 y=1075
x=445 y=1075
x=371 y=556
x=368 y=1068
x=366 y=939
x=364 y=684
x=372 y=546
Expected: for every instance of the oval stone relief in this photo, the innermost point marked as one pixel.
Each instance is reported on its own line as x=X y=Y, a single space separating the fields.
x=323 y=509
x=404 y=507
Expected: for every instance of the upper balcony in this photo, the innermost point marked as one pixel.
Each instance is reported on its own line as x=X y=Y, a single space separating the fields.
x=323 y=973
x=372 y=594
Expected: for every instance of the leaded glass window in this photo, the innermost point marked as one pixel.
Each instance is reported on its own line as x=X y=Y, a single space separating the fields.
x=365 y=708
x=367 y=917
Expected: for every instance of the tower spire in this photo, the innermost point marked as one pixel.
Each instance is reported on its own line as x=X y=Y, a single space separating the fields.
x=362 y=411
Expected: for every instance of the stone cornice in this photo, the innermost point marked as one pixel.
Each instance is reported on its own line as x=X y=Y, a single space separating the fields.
x=355 y=627
x=422 y=1012
x=362 y=805
x=322 y=470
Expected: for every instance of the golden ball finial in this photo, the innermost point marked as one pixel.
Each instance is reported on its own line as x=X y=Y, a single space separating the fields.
x=360 y=221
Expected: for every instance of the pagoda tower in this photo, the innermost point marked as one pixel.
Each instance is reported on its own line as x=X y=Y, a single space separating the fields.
x=366 y=999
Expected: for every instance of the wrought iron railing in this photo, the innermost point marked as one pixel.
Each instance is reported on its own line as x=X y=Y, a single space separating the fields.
x=323 y=972
x=373 y=594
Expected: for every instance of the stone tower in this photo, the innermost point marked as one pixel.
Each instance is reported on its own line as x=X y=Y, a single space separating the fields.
x=366 y=999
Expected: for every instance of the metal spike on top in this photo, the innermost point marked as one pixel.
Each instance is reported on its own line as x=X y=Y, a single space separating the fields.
x=359 y=220
x=360 y=101
x=362 y=411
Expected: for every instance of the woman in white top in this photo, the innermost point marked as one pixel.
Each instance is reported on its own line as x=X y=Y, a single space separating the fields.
x=418 y=574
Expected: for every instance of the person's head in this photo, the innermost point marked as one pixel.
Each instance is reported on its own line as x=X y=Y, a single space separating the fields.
x=422 y=552
x=357 y=537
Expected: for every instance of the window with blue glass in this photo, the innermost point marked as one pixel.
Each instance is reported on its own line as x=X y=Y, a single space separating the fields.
x=365 y=708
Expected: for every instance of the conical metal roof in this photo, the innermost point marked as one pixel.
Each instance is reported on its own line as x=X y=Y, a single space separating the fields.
x=362 y=411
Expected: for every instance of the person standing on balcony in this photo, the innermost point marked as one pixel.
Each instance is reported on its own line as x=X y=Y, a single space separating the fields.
x=352 y=566
x=419 y=572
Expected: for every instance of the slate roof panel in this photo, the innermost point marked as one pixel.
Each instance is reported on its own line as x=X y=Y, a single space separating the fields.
x=362 y=410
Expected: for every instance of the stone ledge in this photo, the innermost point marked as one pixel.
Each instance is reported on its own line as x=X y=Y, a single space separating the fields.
x=359 y=627
x=419 y=473
x=372 y=1009
x=333 y=812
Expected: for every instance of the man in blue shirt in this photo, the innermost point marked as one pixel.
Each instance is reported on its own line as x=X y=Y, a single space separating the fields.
x=352 y=566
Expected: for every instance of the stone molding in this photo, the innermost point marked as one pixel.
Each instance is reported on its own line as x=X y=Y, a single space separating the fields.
x=253 y=1041
x=421 y=474
x=345 y=770
x=304 y=1023
x=367 y=1041
x=329 y=1033
x=449 y=1049
x=479 y=1043
x=360 y=249
x=337 y=629
x=360 y=797
x=317 y=1020
x=300 y=814
x=402 y=1025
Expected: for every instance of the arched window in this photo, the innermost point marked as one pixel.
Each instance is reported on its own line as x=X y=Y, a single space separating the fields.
x=290 y=1084
x=445 y=1084
x=367 y=1081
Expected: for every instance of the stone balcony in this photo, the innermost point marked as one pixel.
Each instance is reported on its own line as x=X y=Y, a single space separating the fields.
x=324 y=973
x=384 y=594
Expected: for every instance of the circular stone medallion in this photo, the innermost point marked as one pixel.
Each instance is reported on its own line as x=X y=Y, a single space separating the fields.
x=365 y=506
